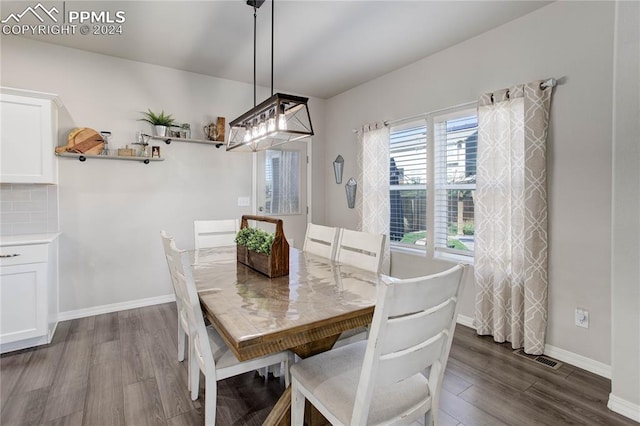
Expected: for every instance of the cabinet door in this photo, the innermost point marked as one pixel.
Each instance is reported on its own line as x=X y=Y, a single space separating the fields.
x=27 y=135
x=23 y=302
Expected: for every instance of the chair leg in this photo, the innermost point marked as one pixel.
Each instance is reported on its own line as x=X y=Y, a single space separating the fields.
x=194 y=374
x=428 y=418
x=188 y=350
x=210 y=395
x=181 y=345
x=287 y=365
x=297 y=405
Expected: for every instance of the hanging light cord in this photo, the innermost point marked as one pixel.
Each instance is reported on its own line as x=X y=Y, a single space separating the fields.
x=255 y=18
x=272 y=19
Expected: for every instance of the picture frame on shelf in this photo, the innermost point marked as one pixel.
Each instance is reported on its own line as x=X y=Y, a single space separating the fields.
x=179 y=131
x=175 y=133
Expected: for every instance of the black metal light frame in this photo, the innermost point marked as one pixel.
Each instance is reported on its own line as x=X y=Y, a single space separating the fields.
x=279 y=119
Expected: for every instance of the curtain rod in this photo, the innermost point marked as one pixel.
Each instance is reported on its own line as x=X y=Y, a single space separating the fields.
x=422 y=115
x=552 y=82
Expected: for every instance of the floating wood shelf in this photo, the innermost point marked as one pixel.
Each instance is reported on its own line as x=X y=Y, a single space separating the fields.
x=84 y=157
x=168 y=139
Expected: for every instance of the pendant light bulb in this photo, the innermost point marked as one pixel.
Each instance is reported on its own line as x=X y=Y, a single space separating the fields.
x=254 y=129
x=247 y=134
x=262 y=127
x=271 y=122
x=282 y=119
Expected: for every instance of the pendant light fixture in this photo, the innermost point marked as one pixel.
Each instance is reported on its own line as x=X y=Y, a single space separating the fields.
x=279 y=119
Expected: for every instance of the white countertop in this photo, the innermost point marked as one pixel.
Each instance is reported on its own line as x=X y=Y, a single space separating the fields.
x=27 y=239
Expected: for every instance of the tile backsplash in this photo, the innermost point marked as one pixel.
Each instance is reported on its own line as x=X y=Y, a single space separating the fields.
x=28 y=208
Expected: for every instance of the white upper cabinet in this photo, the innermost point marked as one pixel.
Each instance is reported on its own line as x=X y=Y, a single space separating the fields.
x=28 y=136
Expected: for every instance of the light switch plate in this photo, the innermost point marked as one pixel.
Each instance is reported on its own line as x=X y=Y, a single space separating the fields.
x=244 y=201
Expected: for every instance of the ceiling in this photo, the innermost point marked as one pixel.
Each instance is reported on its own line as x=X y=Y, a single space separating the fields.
x=322 y=48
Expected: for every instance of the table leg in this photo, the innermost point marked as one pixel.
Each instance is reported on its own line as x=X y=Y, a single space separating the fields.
x=280 y=415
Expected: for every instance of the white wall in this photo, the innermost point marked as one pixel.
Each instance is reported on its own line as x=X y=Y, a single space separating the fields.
x=567 y=40
x=625 y=277
x=111 y=212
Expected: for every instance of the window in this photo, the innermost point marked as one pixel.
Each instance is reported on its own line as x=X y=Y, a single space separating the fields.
x=282 y=178
x=450 y=152
x=455 y=147
x=408 y=185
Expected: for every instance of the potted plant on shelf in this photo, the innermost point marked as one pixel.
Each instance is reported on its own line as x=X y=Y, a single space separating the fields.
x=160 y=121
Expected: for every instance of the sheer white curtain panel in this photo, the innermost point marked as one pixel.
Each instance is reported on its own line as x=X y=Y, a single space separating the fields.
x=372 y=198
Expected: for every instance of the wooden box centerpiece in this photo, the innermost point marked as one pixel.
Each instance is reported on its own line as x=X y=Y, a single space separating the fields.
x=276 y=262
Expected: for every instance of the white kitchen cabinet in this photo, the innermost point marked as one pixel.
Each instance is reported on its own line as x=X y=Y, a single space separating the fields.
x=28 y=136
x=28 y=292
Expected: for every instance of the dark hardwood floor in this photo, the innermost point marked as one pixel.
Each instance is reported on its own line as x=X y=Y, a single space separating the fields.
x=122 y=369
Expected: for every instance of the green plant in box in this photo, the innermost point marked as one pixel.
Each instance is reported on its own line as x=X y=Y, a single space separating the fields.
x=255 y=239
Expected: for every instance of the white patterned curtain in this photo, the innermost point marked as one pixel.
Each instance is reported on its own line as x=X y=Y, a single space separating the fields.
x=511 y=216
x=372 y=196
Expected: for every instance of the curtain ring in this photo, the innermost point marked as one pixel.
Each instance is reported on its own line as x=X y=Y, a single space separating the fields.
x=507 y=94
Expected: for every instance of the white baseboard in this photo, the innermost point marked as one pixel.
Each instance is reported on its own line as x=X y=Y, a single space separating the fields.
x=591 y=365
x=595 y=367
x=23 y=344
x=624 y=407
x=466 y=321
x=115 y=307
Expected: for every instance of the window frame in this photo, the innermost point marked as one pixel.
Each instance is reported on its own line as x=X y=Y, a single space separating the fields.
x=435 y=251
x=399 y=127
x=429 y=120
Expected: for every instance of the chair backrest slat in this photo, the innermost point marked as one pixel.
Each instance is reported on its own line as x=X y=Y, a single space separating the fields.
x=321 y=240
x=420 y=294
x=397 y=366
x=411 y=330
x=215 y=233
x=360 y=249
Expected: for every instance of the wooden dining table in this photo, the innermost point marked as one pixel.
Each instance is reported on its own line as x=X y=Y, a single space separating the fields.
x=304 y=312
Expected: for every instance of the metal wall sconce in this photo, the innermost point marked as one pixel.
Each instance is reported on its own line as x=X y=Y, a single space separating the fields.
x=351 y=187
x=338 y=166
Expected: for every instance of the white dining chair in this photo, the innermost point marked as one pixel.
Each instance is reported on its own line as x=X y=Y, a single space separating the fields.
x=321 y=240
x=208 y=352
x=382 y=380
x=215 y=233
x=183 y=321
x=360 y=249
x=365 y=251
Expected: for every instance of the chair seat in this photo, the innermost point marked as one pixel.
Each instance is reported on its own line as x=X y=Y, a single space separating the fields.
x=228 y=365
x=221 y=353
x=351 y=336
x=332 y=377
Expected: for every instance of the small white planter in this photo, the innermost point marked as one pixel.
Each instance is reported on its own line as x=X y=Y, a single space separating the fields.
x=160 y=130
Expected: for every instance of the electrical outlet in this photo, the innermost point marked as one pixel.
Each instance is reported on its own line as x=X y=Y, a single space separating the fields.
x=582 y=318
